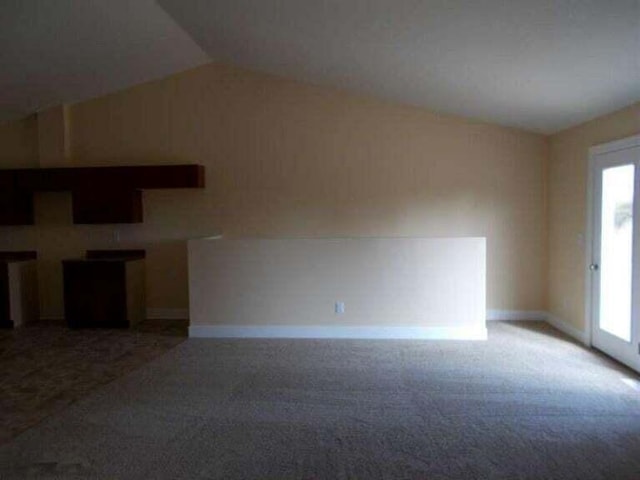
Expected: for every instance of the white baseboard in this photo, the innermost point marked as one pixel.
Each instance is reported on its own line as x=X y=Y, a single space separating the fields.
x=569 y=329
x=516 y=315
x=364 y=332
x=167 y=313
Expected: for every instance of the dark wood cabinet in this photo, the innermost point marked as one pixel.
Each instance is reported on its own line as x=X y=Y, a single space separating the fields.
x=99 y=194
x=105 y=289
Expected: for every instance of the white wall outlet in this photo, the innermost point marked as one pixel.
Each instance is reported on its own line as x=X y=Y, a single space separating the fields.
x=339 y=308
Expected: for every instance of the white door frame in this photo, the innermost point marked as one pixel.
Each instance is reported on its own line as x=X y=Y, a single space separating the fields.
x=592 y=189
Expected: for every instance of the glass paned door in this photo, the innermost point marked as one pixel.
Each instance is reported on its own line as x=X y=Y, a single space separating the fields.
x=615 y=265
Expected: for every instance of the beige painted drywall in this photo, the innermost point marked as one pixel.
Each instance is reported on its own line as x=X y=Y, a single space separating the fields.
x=399 y=282
x=284 y=158
x=18 y=143
x=568 y=170
x=53 y=136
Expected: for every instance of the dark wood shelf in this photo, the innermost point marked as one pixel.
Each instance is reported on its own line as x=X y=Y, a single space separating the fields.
x=18 y=256
x=99 y=194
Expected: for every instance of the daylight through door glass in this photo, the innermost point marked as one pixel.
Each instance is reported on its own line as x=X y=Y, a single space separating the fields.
x=616 y=251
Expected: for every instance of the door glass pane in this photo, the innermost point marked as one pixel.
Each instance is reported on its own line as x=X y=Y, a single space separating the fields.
x=616 y=251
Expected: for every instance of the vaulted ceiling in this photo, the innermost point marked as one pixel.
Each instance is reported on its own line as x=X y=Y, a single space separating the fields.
x=58 y=51
x=541 y=65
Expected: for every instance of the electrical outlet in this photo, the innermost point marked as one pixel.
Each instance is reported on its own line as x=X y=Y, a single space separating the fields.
x=339 y=308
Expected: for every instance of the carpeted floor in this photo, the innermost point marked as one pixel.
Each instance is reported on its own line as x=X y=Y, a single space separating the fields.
x=527 y=404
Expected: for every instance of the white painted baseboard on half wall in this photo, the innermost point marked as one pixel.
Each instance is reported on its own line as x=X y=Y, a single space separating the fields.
x=373 y=332
x=362 y=332
x=354 y=332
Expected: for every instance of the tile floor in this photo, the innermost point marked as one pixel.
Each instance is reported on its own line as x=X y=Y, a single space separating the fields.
x=46 y=367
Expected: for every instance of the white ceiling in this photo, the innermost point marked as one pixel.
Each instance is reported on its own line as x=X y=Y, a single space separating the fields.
x=537 y=64
x=541 y=65
x=58 y=51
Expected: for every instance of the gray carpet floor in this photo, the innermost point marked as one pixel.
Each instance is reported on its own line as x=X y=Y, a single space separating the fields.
x=527 y=404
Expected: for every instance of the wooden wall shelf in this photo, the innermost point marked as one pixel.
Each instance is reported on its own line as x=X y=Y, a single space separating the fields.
x=99 y=194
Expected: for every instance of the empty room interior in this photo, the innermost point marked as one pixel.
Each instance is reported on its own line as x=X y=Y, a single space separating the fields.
x=330 y=239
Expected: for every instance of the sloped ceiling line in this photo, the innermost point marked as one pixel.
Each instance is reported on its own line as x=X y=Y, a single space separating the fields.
x=539 y=65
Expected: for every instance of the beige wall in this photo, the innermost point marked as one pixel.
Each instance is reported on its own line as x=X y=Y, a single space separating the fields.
x=53 y=136
x=568 y=206
x=18 y=144
x=290 y=159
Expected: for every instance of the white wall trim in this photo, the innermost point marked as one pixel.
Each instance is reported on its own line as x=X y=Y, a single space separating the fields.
x=337 y=331
x=566 y=327
x=167 y=313
x=621 y=144
x=516 y=315
x=588 y=242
